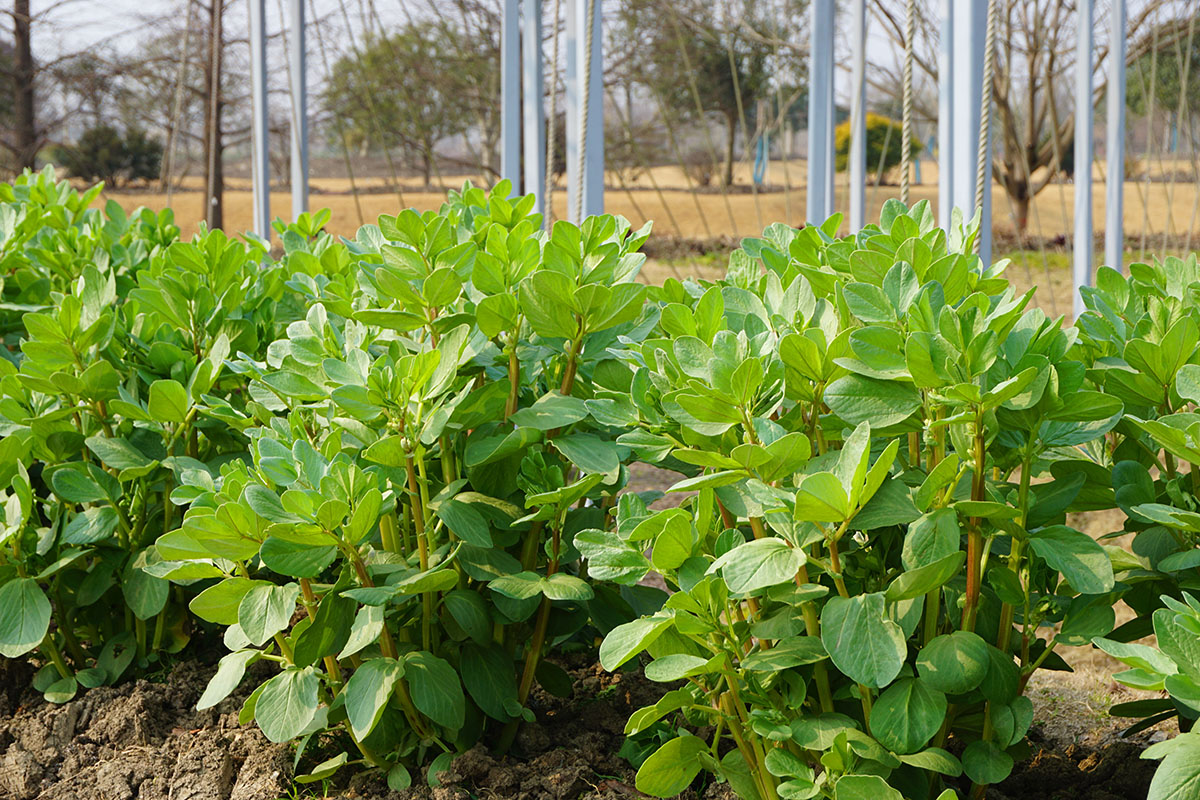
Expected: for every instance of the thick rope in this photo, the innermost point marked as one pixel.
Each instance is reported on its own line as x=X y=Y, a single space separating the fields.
x=585 y=78
x=552 y=124
x=910 y=30
x=985 y=125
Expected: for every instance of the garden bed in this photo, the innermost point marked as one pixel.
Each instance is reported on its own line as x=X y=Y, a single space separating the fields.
x=144 y=740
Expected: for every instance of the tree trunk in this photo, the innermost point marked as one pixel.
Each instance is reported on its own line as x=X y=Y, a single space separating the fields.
x=731 y=129
x=1021 y=208
x=427 y=165
x=214 y=188
x=23 y=118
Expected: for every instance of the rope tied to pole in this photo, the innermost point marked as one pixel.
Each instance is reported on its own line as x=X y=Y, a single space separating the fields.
x=906 y=124
x=985 y=124
x=552 y=124
x=584 y=77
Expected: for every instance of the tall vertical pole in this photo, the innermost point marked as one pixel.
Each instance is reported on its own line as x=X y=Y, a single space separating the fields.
x=297 y=60
x=945 y=135
x=571 y=134
x=969 y=33
x=260 y=173
x=590 y=77
x=1082 y=262
x=510 y=94
x=534 y=138
x=820 y=113
x=1114 y=142
x=858 y=116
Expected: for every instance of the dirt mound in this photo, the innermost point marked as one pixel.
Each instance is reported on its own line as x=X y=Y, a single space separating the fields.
x=146 y=741
x=569 y=753
x=1113 y=771
x=143 y=740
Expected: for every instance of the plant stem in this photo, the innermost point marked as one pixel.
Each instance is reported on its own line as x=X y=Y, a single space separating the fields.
x=568 y=381
x=514 y=379
x=51 y=650
x=417 y=500
x=812 y=627
x=386 y=645
x=974 y=533
x=332 y=668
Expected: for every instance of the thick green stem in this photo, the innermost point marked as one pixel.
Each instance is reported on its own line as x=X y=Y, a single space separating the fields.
x=51 y=650
x=568 y=381
x=417 y=500
x=812 y=627
x=514 y=380
x=974 y=532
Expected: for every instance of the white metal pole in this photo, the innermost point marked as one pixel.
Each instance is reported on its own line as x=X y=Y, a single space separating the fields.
x=945 y=143
x=260 y=164
x=590 y=76
x=858 y=117
x=820 y=113
x=1084 y=124
x=1114 y=188
x=571 y=98
x=510 y=94
x=969 y=26
x=299 y=80
x=535 y=115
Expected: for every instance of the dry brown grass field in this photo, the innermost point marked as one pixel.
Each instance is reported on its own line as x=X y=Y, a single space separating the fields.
x=663 y=194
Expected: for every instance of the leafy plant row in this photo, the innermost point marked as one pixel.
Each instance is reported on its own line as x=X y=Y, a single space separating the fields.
x=396 y=470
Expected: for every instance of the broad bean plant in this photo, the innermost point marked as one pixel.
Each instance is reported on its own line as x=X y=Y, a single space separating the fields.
x=869 y=564
x=394 y=472
x=422 y=453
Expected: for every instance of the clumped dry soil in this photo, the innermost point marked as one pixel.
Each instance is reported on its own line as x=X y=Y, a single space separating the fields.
x=142 y=740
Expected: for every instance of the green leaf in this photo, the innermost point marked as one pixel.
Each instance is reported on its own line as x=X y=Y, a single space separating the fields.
x=552 y=410
x=24 y=617
x=758 y=564
x=907 y=715
x=329 y=631
x=856 y=399
x=1082 y=561
x=287 y=705
x=626 y=641
x=922 y=580
x=795 y=651
x=168 y=401
x=145 y=594
x=930 y=539
x=296 y=555
x=436 y=691
x=985 y=763
x=671 y=768
x=561 y=586
x=325 y=769
x=367 y=693
x=230 y=671
x=470 y=611
x=266 y=610
x=90 y=526
x=219 y=603
x=935 y=760
x=865 y=787
x=954 y=663
x=118 y=453
x=861 y=640
x=465 y=522
x=488 y=674
x=1178 y=776
x=548 y=302
x=591 y=454
x=675 y=667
